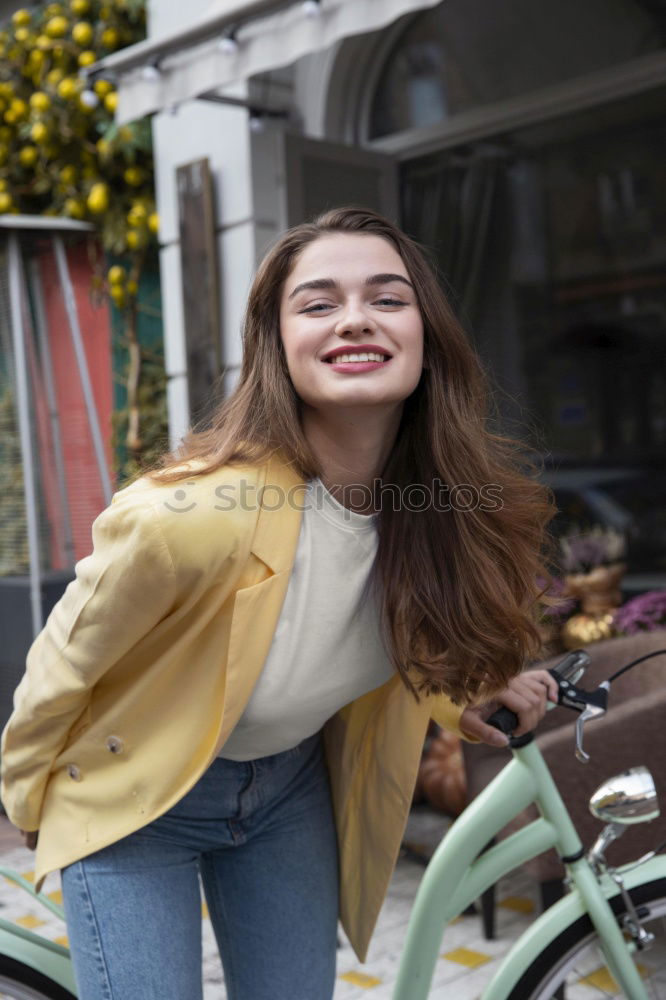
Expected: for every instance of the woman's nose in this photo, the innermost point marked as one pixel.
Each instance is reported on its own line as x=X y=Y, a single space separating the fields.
x=354 y=319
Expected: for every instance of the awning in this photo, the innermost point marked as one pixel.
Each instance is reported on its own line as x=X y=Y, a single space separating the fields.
x=233 y=42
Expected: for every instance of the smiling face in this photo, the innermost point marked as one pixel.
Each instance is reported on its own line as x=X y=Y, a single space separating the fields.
x=350 y=324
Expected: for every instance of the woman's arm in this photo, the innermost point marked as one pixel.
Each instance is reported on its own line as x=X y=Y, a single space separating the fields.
x=121 y=591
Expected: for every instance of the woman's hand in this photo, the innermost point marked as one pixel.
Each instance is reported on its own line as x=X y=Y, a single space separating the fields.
x=526 y=695
x=30 y=837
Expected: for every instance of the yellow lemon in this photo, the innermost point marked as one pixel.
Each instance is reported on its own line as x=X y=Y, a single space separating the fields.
x=28 y=156
x=39 y=132
x=68 y=88
x=79 y=7
x=83 y=33
x=102 y=87
x=111 y=102
x=22 y=35
x=39 y=101
x=56 y=27
x=53 y=78
x=21 y=17
x=68 y=174
x=6 y=204
x=19 y=107
x=43 y=43
x=98 y=198
x=116 y=274
x=118 y=295
x=36 y=59
x=154 y=222
x=74 y=208
x=133 y=239
x=103 y=147
x=110 y=38
x=87 y=58
x=134 y=176
x=137 y=214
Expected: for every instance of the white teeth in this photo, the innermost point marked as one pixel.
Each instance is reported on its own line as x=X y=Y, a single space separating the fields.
x=362 y=356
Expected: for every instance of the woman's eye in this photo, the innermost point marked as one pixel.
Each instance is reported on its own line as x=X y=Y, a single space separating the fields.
x=316 y=307
x=390 y=302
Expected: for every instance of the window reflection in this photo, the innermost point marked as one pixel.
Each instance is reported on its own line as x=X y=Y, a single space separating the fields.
x=467 y=53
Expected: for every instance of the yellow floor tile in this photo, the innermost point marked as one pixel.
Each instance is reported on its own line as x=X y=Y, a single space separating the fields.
x=467 y=957
x=601 y=979
x=64 y=941
x=360 y=979
x=55 y=896
x=518 y=903
x=29 y=921
x=28 y=876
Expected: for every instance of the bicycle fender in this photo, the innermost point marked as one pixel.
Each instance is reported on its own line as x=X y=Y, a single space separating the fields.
x=550 y=924
x=44 y=956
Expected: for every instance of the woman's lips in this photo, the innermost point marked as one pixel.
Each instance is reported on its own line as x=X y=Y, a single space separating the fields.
x=349 y=367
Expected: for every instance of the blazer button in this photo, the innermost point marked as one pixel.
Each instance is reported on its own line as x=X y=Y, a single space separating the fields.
x=73 y=772
x=114 y=744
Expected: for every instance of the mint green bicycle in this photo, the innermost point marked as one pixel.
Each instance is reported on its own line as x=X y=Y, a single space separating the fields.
x=611 y=916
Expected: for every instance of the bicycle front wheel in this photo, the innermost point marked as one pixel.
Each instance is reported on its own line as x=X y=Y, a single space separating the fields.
x=573 y=966
x=21 y=982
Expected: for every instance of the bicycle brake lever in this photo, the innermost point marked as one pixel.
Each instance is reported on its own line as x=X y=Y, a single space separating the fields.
x=596 y=703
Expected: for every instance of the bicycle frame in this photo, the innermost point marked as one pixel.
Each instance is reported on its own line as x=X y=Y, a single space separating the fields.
x=51 y=959
x=459 y=872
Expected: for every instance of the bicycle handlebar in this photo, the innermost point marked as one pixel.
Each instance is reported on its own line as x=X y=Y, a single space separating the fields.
x=567 y=672
x=588 y=704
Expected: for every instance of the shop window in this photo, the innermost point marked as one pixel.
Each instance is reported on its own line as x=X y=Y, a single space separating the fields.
x=464 y=54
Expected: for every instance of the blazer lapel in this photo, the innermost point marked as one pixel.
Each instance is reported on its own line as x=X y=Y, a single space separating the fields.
x=257 y=607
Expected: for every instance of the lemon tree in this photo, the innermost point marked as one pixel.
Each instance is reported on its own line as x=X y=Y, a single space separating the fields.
x=62 y=154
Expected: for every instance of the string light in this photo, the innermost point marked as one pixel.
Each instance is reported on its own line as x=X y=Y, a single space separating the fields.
x=311 y=8
x=228 y=44
x=151 y=72
x=89 y=98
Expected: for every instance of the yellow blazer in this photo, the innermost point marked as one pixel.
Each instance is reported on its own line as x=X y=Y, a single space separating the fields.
x=147 y=662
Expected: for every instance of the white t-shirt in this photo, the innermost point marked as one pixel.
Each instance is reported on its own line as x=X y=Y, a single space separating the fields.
x=327 y=649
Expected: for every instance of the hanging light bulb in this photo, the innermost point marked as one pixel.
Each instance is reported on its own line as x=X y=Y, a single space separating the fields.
x=228 y=44
x=311 y=8
x=89 y=98
x=151 y=72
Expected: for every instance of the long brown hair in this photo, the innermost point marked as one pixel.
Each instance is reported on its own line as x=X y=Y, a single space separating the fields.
x=458 y=588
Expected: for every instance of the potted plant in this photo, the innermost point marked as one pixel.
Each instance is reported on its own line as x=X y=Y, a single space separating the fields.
x=592 y=563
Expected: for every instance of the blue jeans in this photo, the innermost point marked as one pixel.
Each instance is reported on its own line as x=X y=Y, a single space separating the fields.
x=262 y=836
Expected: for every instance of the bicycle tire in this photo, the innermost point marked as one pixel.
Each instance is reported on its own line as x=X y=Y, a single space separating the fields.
x=21 y=982
x=563 y=960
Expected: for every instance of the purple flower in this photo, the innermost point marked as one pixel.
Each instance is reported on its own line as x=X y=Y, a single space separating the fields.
x=583 y=552
x=642 y=614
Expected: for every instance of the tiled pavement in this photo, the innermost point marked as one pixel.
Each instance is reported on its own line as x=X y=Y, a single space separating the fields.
x=466 y=965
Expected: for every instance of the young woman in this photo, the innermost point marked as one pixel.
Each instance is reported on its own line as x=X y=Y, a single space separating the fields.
x=239 y=680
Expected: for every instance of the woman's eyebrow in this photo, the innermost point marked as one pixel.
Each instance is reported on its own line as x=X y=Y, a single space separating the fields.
x=328 y=283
